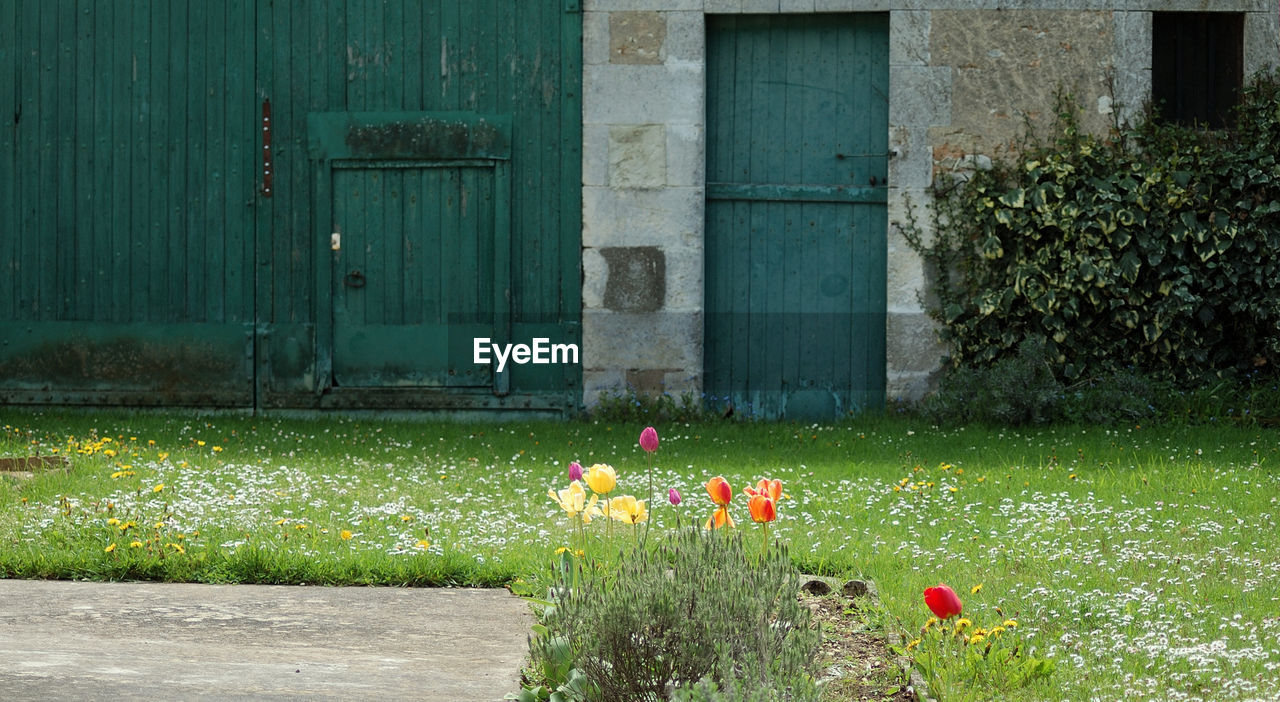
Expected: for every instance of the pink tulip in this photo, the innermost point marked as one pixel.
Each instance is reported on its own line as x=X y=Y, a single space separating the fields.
x=942 y=601
x=575 y=471
x=649 y=439
x=674 y=496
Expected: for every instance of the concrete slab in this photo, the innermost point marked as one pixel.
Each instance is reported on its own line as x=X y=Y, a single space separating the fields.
x=157 y=641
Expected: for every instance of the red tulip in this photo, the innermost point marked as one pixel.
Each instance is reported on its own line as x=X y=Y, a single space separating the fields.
x=575 y=471
x=942 y=601
x=673 y=495
x=649 y=439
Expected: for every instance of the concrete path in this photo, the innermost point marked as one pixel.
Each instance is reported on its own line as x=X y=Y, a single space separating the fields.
x=155 y=641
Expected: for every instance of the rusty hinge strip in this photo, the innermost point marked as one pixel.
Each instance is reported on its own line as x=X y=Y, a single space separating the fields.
x=266 y=148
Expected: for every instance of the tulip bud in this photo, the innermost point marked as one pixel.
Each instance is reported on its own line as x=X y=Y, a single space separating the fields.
x=649 y=439
x=575 y=471
x=601 y=478
x=674 y=496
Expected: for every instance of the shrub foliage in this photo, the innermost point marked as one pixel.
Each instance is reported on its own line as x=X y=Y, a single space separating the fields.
x=701 y=610
x=1154 y=250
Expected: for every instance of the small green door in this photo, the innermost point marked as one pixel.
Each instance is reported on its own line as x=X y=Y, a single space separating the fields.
x=413 y=275
x=797 y=141
x=420 y=241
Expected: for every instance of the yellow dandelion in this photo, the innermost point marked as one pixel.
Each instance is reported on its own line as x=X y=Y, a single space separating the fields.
x=345 y=535
x=110 y=548
x=913 y=644
x=135 y=544
x=158 y=488
x=151 y=442
x=1010 y=624
x=113 y=521
x=975 y=589
x=176 y=547
x=423 y=543
x=963 y=623
x=561 y=550
x=199 y=443
x=1071 y=477
x=159 y=525
x=163 y=455
x=280 y=522
x=982 y=478
x=406 y=518
x=996 y=631
x=109 y=453
x=897 y=488
x=217 y=449
x=959 y=471
x=299 y=527
x=976 y=638
x=931 y=621
x=953 y=489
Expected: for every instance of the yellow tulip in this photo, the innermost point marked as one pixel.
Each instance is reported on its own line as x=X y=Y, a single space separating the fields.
x=602 y=479
x=628 y=509
x=573 y=500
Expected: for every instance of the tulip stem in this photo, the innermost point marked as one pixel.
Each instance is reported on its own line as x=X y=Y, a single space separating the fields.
x=645 y=543
x=764 y=541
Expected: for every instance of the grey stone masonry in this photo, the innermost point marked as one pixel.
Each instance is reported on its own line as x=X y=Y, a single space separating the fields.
x=965 y=77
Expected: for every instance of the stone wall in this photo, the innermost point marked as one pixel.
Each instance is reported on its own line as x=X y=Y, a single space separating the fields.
x=965 y=77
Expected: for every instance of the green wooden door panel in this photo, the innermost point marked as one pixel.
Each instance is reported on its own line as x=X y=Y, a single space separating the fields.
x=131 y=175
x=414 y=277
x=797 y=146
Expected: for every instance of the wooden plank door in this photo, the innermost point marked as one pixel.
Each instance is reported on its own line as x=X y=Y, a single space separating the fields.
x=797 y=141
x=413 y=277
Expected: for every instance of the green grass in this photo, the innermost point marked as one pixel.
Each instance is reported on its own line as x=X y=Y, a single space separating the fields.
x=1138 y=560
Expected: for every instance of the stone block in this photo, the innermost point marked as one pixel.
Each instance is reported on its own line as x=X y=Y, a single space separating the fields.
x=910 y=157
x=685 y=272
x=623 y=94
x=795 y=5
x=636 y=280
x=909 y=38
x=686 y=155
x=911 y=343
x=641 y=339
x=637 y=156
x=637 y=37
x=595 y=154
x=760 y=6
x=595 y=38
x=641 y=217
x=910 y=387
x=635 y=5
x=686 y=37
x=919 y=96
x=1008 y=66
x=595 y=275
x=596 y=382
x=1261 y=41
x=723 y=6
x=836 y=5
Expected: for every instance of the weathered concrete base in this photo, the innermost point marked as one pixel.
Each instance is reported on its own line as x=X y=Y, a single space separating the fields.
x=88 y=641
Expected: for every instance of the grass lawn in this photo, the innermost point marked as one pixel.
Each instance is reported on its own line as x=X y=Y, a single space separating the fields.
x=1141 y=561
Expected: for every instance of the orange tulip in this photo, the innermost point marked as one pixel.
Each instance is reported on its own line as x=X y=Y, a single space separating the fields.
x=719 y=490
x=769 y=488
x=762 y=509
x=721 y=494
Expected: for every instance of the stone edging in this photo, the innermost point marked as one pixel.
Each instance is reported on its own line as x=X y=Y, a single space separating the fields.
x=856 y=589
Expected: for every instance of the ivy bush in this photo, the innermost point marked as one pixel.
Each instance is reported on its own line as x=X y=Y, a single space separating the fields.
x=1154 y=250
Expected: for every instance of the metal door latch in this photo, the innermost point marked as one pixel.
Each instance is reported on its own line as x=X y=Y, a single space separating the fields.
x=335 y=241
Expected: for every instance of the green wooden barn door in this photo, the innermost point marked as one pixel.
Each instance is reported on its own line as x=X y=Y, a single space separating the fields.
x=797 y=140
x=127 y=194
